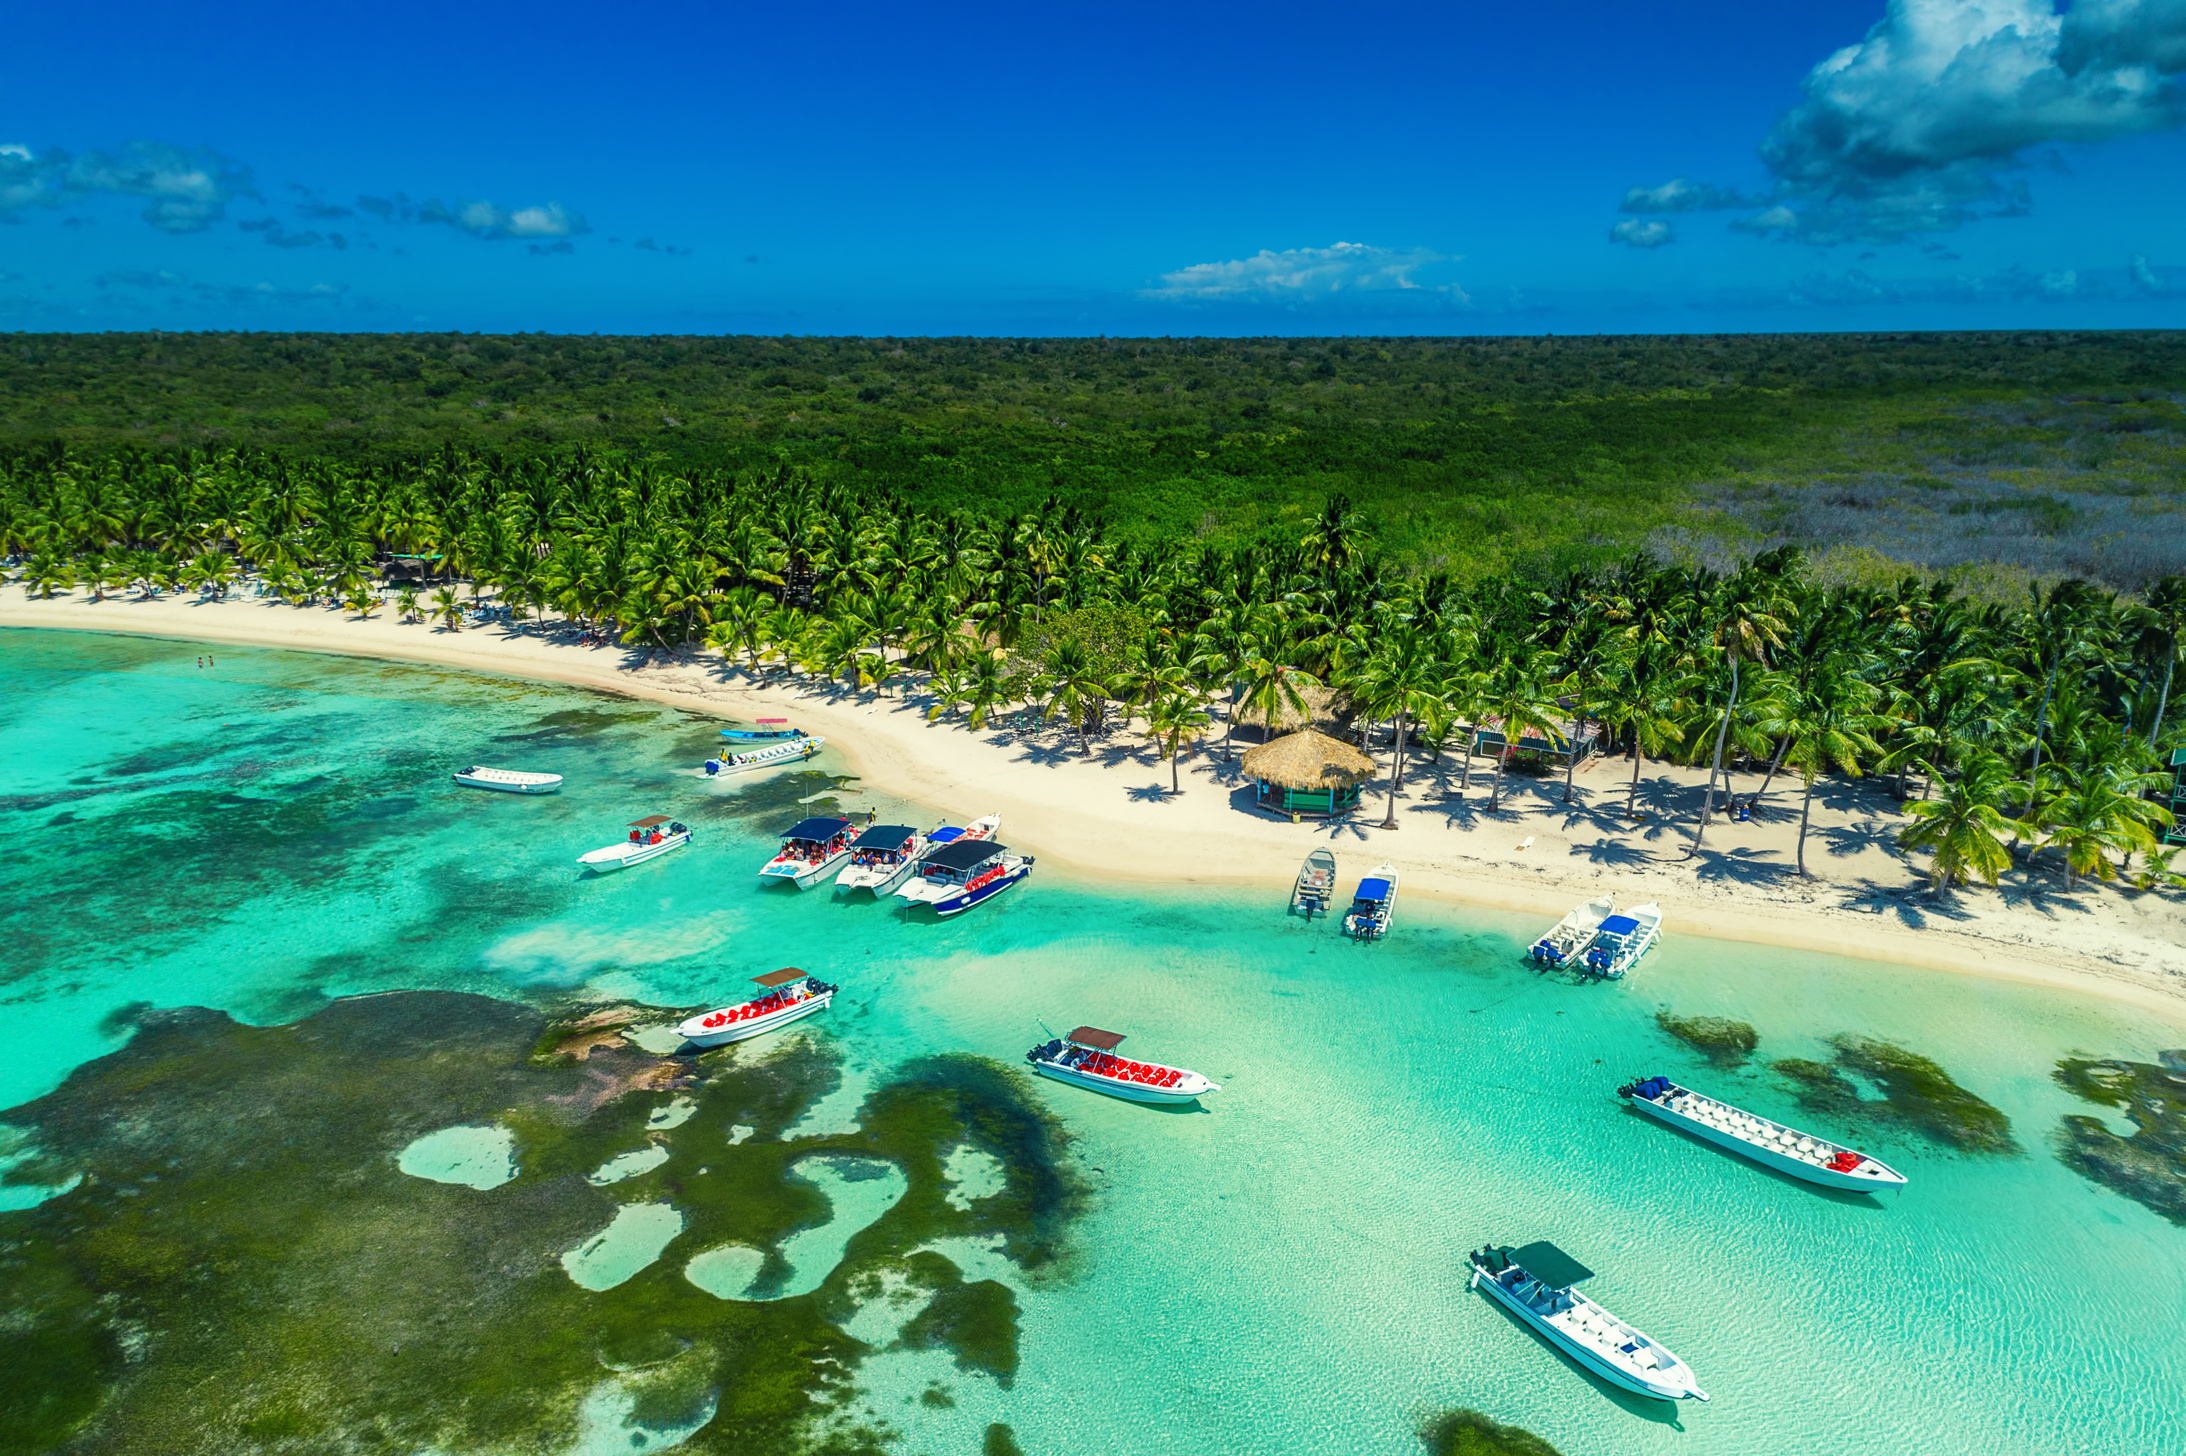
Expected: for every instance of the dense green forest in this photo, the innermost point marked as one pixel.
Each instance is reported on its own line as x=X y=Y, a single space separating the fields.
x=1998 y=458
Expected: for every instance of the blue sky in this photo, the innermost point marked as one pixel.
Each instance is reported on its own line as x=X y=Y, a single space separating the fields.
x=1119 y=168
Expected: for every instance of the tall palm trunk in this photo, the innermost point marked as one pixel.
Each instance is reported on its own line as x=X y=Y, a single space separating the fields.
x=1495 y=793
x=1231 y=731
x=2041 y=722
x=1571 y=754
x=1631 y=802
x=1806 y=806
x=1774 y=764
x=1396 y=769
x=2163 y=698
x=1722 y=730
x=1465 y=779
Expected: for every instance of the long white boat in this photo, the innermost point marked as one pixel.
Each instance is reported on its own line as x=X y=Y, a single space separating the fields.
x=650 y=838
x=506 y=780
x=1535 y=1284
x=1568 y=936
x=1622 y=939
x=1771 y=1144
x=956 y=876
x=811 y=850
x=767 y=755
x=1374 y=906
x=791 y=995
x=1316 y=884
x=886 y=855
x=1086 y=1058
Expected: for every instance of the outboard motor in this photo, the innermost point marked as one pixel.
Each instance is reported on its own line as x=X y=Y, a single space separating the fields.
x=713 y=766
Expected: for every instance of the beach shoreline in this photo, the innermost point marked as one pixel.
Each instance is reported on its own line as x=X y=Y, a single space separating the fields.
x=1111 y=817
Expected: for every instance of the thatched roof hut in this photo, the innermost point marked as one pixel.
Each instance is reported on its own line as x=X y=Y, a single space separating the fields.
x=1308 y=760
x=1308 y=773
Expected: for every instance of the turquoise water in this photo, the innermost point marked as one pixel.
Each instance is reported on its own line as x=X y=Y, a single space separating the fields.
x=1277 y=1272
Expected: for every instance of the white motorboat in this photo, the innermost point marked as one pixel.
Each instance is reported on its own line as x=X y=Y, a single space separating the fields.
x=1374 y=906
x=886 y=855
x=766 y=755
x=1316 y=884
x=506 y=780
x=1535 y=1284
x=1086 y=1058
x=954 y=877
x=811 y=850
x=1622 y=939
x=650 y=838
x=1771 y=1144
x=791 y=995
x=1572 y=934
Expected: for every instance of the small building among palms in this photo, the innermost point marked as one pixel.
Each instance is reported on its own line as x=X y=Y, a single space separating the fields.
x=1308 y=773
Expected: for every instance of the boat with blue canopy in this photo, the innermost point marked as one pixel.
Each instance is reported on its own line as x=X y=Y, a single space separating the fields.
x=954 y=877
x=1621 y=940
x=1535 y=1283
x=1373 y=905
x=768 y=730
x=812 y=849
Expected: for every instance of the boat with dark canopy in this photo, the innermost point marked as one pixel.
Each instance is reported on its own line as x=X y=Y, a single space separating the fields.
x=886 y=855
x=790 y=995
x=1535 y=1284
x=812 y=849
x=1087 y=1058
x=956 y=876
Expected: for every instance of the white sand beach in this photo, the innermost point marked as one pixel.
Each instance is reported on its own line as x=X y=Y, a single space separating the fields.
x=1112 y=815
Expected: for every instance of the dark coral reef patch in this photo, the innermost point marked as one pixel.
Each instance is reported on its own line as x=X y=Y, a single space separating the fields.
x=1469 y=1433
x=1724 y=1042
x=2148 y=1167
x=1916 y=1095
x=243 y=1266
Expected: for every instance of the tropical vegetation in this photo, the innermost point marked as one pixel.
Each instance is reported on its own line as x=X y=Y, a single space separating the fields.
x=2033 y=734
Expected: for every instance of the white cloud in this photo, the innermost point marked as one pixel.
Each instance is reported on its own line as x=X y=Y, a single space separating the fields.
x=187 y=188
x=1304 y=275
x=1914 y=129
x=1642 y=233
x=1679 y=194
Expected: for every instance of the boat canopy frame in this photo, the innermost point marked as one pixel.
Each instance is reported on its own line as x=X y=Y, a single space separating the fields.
x=781 y=977
x=964 y=854
x=1097 y=1039
x=1549 y=1264
x=819 y=829
x=647 y=822
x=885 y=836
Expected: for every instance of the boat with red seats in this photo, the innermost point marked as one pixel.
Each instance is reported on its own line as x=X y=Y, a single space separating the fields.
x=1087 y=1058
x=812 y=849
x=790 y=996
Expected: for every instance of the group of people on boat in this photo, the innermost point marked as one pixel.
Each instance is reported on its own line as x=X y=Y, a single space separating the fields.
x=653 y=835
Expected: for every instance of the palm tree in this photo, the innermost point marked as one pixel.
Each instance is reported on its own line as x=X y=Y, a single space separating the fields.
x=1170 y=719
x=1641 y=697
x=448 y=608
x=2094 y=820
x=1747 y=614
x=1074 y=686
x=48 y=572
x=406 y=603
x=1831 y=722
x=363 y=603
x=2166 y=621
x=1401 y=681
x=1963 y=827
x=1271 y=687
x=1523 y=705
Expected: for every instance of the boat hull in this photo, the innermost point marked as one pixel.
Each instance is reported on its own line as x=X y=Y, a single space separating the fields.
x=879 y=881
x=758 y=1025
x=604 y=862
x=803 y=873
x=802 y=750
x=1128 y=1091
x=470 y=783
x=962 y=900
x=1769 y=1158
x=1594 y=1364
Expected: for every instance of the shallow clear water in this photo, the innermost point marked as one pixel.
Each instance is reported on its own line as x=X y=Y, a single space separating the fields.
x=1280 y=1271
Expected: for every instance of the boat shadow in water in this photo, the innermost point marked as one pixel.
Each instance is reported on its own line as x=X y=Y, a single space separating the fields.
x=1646 y=1407
x=1843 y=1197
